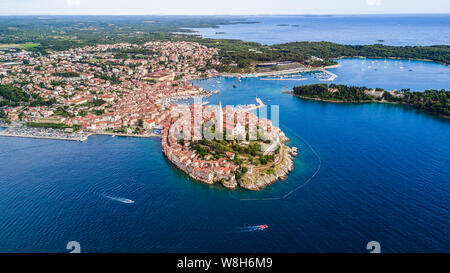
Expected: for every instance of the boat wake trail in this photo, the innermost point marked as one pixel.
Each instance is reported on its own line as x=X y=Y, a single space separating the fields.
x=253 y=228
x=119 y=199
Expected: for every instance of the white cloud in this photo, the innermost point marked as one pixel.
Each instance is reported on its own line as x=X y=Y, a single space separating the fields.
x=374 y=2
x=72 y=3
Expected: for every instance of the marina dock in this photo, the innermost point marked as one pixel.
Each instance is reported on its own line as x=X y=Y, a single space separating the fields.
x=252 y=107
x=40 y=133
x=283 y=79
x=331 y=74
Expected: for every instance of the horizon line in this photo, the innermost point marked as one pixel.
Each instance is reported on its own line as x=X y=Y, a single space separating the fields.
x=262 y=14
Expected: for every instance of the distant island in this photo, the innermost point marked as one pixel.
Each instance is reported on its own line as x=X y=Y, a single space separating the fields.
x=431 y=101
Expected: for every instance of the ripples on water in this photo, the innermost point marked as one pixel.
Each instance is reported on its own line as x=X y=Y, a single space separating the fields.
x=384 y=176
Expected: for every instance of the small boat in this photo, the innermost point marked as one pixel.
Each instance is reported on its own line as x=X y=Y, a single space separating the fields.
x=234 y=86
x=261 y=227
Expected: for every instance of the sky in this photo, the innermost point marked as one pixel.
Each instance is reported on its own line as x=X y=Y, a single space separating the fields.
x=216 y=7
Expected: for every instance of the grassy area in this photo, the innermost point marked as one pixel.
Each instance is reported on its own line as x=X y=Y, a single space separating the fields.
x=30 y=45
x=47 y=125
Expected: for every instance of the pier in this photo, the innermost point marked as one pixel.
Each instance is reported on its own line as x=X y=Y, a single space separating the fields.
x=24 y=132
x=59 y=135
x=284 y=72
x=252 y=107
x=283 y=79
x=331 y=78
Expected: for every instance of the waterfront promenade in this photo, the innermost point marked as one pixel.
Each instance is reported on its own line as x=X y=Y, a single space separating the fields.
x=124 y=135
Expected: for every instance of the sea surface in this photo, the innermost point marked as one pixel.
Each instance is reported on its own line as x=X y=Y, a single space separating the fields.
x=366 y=172
x=396 y=30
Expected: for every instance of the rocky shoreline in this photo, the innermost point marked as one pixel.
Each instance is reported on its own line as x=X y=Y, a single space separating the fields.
x=252 y=164
x=254 y=181
x=258 y=179
x=189 y=171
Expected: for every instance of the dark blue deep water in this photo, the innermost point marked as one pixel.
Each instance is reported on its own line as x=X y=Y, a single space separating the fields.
x=365 y=172
x=344 y=29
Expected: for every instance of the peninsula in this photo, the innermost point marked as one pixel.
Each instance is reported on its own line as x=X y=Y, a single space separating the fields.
x=126 y=79
x=241 y=148
x=431 y=101
x=132 y=90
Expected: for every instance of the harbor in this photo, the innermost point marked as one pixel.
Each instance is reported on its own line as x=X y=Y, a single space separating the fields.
x=56 y=134
x=325 y=75
x=251 y=107
x=294 y=78
x=289 y=74
x=28 y=132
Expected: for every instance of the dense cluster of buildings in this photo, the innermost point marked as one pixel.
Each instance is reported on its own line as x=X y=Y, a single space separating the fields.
x=235 y=123
x=126 y=88
x=107 y=87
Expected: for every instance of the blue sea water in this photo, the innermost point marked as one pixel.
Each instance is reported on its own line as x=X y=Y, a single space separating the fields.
x=365 y=172
x=396 y=29
x=393 y=74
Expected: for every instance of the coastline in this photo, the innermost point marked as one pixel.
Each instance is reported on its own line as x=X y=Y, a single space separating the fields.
x=258 y=179
x=42 y=137
x=281 y=72
x=124 y=135
x=261 y=75
x=254 y=180
x=5 y=133
x=334 y=101
x=323 y=68
x=363 y=101
x=211 y=167
x=390 y=58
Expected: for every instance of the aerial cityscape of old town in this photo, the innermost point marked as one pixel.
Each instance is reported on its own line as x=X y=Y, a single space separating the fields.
x=93 y=88
x=225 y=133
x=128 y=90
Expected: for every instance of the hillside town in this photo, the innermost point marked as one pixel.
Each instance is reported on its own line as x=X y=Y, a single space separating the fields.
x=123 y=88
x=126 y=89
x=230 y=146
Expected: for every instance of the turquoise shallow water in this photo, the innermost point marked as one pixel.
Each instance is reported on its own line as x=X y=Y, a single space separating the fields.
x=383 y=174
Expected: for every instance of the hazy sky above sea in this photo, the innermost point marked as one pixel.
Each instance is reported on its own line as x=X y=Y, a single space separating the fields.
x=207 y=7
